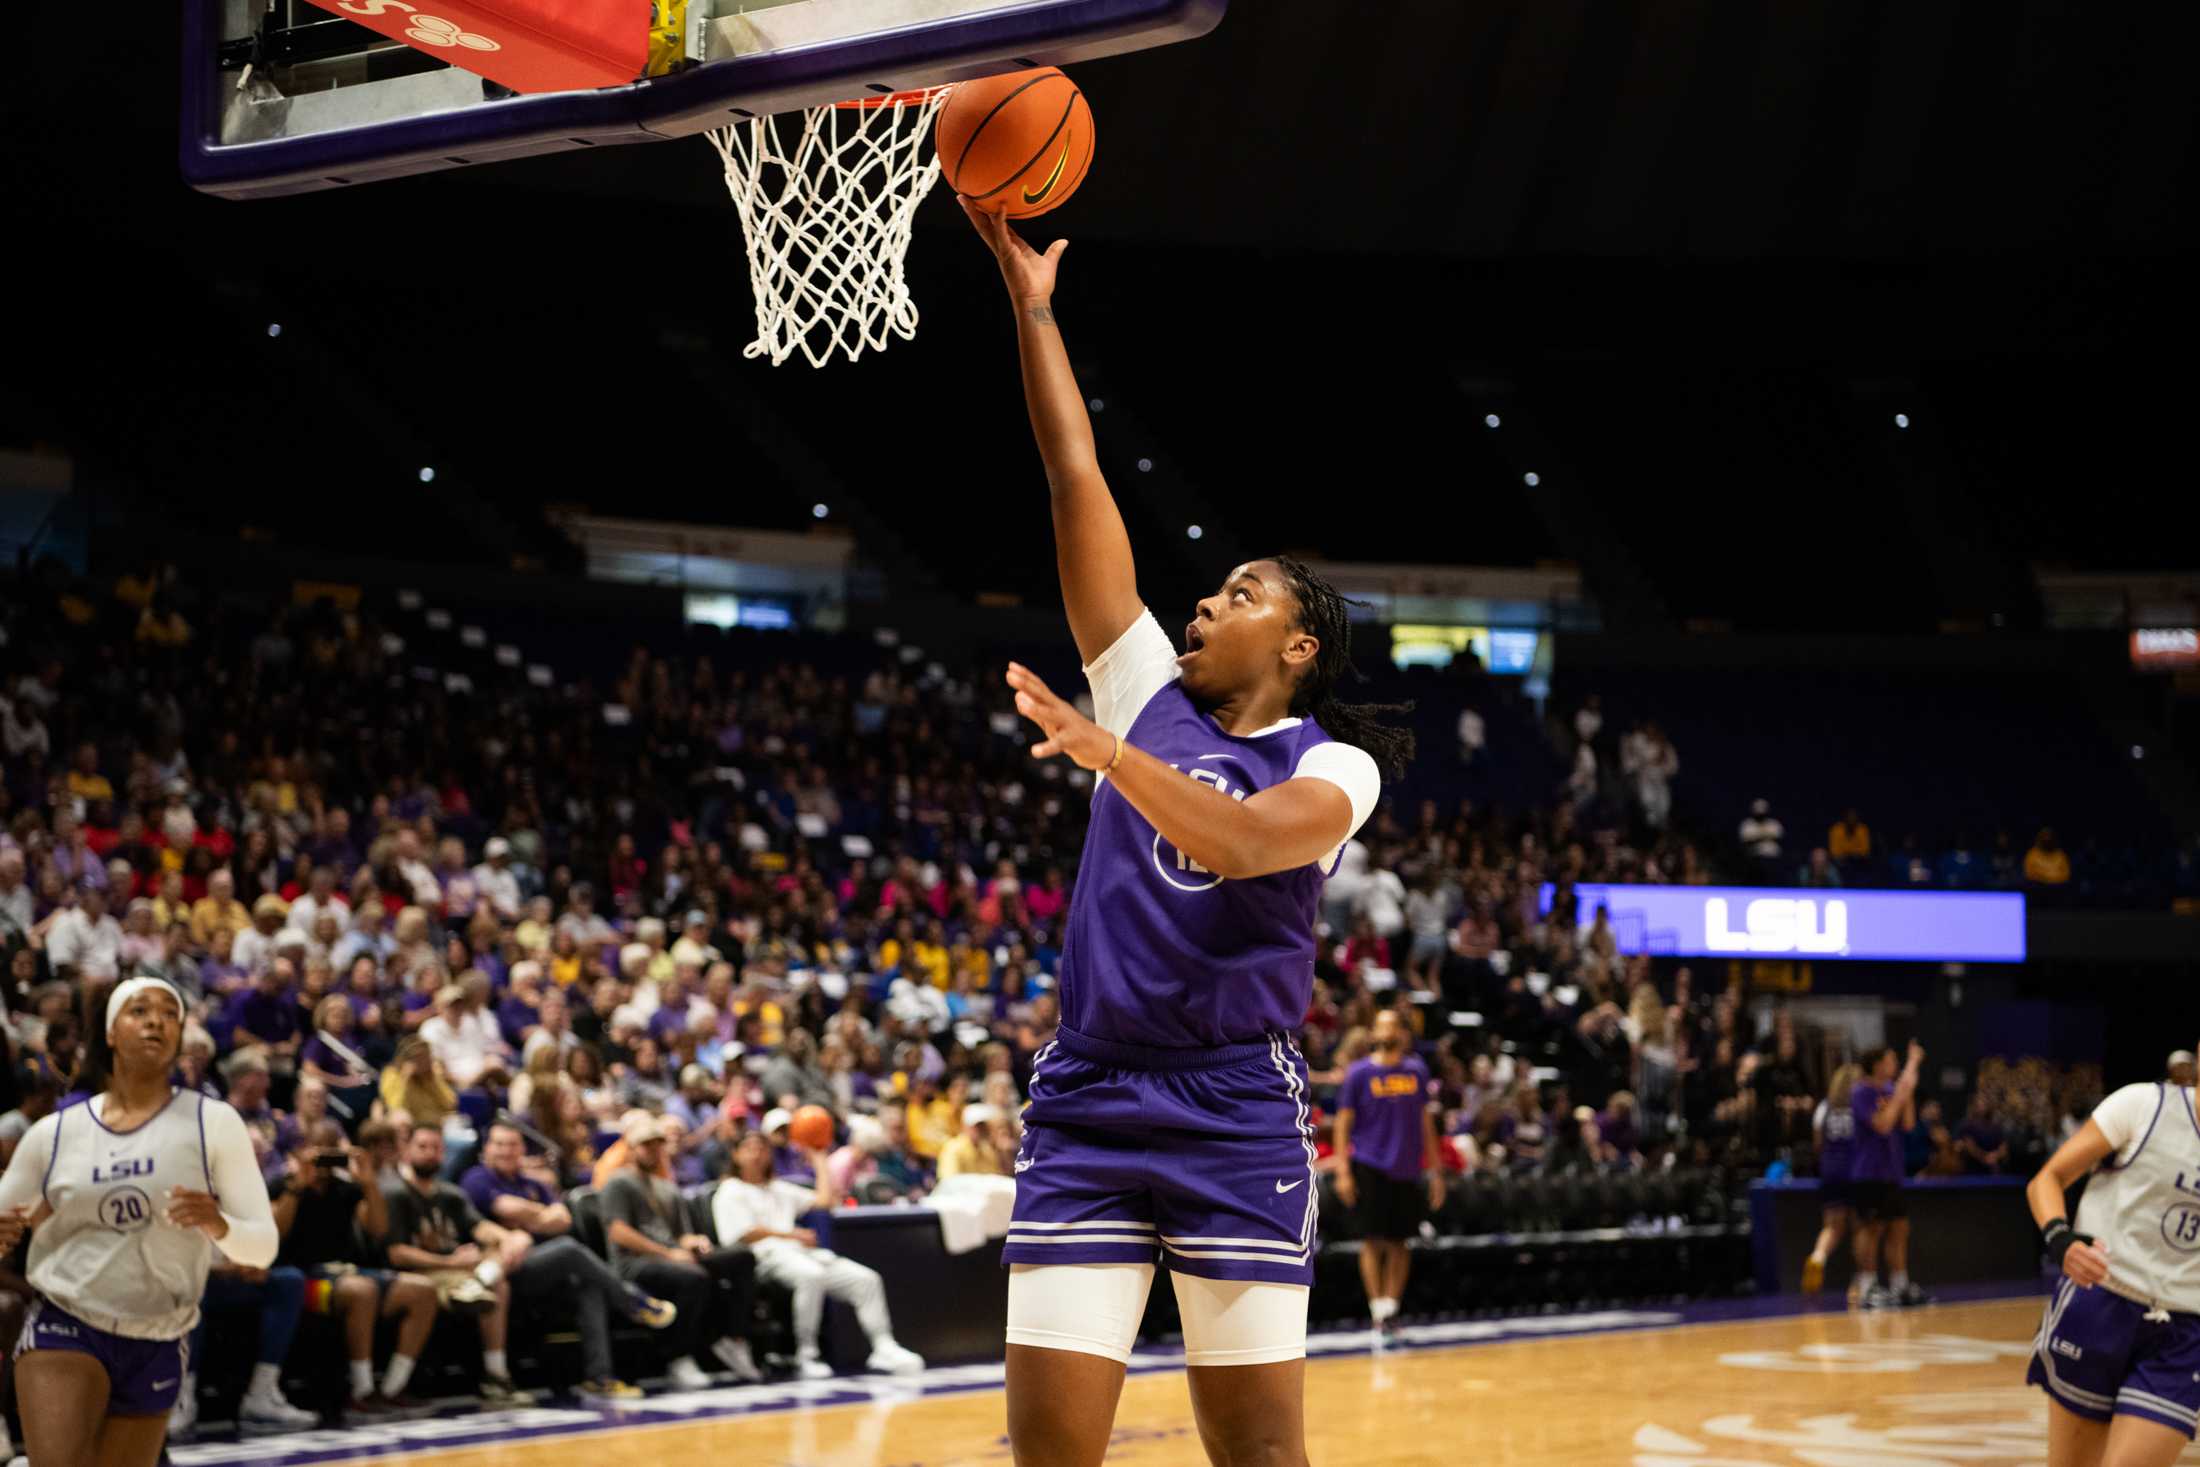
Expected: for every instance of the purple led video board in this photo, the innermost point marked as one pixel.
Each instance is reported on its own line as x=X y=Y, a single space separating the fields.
x=1818 y=923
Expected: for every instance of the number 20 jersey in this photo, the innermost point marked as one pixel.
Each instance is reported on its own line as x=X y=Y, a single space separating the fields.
x=108 y=1254
x=2143 y=1205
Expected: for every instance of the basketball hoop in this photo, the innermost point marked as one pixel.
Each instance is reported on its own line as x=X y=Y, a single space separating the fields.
x=827 y=221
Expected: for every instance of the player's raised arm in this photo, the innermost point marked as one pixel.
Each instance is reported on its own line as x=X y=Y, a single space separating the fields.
x=1091 y=549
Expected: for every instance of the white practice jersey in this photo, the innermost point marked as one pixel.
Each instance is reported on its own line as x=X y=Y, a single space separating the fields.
x=2143 y=1205
x=108 y=1254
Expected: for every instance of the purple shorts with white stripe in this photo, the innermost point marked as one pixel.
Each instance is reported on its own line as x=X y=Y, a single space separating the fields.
x=2101 y=1355
x=1200 y=1159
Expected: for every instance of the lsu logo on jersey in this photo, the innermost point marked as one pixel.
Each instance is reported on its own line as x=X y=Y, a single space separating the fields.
x=128 y=1166
x=1391 y=1085
x=1178 y=869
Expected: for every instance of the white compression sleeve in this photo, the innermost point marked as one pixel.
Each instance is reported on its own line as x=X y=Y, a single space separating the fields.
x=252 y=1239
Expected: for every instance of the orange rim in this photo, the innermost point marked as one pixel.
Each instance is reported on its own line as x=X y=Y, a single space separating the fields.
x=907 y=99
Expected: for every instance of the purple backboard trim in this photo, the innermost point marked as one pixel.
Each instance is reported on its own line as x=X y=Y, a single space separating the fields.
x=1046 y=32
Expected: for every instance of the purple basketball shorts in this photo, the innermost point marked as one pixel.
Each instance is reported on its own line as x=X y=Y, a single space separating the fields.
x=143 y=1376
x=2101 y=1355
x=1200 y=1159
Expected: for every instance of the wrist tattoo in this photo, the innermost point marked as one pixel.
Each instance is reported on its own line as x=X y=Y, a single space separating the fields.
x=1043 y=314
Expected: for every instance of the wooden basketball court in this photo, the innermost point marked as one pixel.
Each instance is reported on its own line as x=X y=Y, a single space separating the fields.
x=1646 y=1388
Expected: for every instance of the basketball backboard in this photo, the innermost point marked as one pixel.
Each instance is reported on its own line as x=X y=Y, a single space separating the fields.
x=285 y=96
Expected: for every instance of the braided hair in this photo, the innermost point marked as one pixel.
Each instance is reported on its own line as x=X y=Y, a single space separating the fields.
x=1322 y=612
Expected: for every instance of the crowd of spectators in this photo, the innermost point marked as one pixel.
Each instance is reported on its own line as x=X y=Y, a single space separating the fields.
x=1851 y=855
x=2018 y=1113
x=457 y=951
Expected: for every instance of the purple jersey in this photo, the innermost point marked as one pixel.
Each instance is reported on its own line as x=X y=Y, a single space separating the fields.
x=1387 y=1103
x=483 y=1187
x=1837 y=1144
x=1160 y=952
x=1877 y=1158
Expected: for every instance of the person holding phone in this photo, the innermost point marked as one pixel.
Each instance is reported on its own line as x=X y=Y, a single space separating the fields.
x=330 y=1201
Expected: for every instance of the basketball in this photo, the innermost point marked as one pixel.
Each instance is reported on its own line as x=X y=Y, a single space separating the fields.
x=812 y=1128
x=1016 y=144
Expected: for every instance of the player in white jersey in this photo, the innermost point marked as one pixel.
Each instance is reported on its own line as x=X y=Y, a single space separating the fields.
x=2119 y=1349
x=126 y=1197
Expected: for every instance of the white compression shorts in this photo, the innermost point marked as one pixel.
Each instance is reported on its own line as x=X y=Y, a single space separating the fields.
x=1095 y=1309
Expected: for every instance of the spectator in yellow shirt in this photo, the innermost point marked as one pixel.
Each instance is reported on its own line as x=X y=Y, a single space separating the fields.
x=2047 y=863
x=1850 y=839
x=161 y=625
x=929 y=954
x=972 y=957
x=533 y=932
x=931 y=1118
x=136 y=589
x=218 y=917
x=977 y=1150
x=755 y=999
x=565 y=958
x=85 y=781
x=169 y=907
x=414 y=1084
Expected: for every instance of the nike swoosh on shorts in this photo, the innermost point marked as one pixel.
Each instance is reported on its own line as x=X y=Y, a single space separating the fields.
x=1282 y=1188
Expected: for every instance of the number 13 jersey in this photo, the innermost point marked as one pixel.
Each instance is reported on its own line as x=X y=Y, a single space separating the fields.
x=1159 y=951
x=2143 y=1205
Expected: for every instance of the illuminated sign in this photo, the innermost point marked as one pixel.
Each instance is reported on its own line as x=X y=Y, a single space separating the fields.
x=1499 y=649
x=2165 y=649
x=716 y=609
x=1738 y=921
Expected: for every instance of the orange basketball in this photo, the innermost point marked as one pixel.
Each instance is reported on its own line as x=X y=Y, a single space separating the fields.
x=1016 y=144
x=812 y=1128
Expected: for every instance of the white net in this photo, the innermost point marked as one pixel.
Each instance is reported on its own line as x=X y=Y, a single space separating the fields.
x=827 y=222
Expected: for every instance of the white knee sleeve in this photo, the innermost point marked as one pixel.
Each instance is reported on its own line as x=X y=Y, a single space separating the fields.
x=1092 y=1308
x=1240 y=1321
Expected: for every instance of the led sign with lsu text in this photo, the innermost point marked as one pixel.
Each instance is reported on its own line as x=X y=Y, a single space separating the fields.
x=1817 y=922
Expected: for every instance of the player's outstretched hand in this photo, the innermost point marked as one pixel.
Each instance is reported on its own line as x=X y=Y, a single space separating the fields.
x=1067 y=731
x=1030 y=275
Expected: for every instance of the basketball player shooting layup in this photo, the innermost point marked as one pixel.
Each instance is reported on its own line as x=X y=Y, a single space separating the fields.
x=1168 y=1120
x=2119 y=1348
x=128 y=1196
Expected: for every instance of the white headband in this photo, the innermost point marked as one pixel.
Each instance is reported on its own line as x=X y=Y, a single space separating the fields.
x=131 y=987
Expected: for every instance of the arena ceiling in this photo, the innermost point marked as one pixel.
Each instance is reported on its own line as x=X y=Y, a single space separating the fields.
x=1307 y=241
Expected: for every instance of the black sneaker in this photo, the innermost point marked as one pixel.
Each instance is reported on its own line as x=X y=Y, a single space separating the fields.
x=1910 y=1296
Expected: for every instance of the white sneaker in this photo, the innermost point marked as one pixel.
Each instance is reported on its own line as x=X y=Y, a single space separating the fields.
x=734 y=1355
x=809 y=1367
x=895 y=1358
x=687 y=1375
x=272 y=1410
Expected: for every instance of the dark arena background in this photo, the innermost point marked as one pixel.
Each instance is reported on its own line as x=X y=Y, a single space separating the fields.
x=1757 y=438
